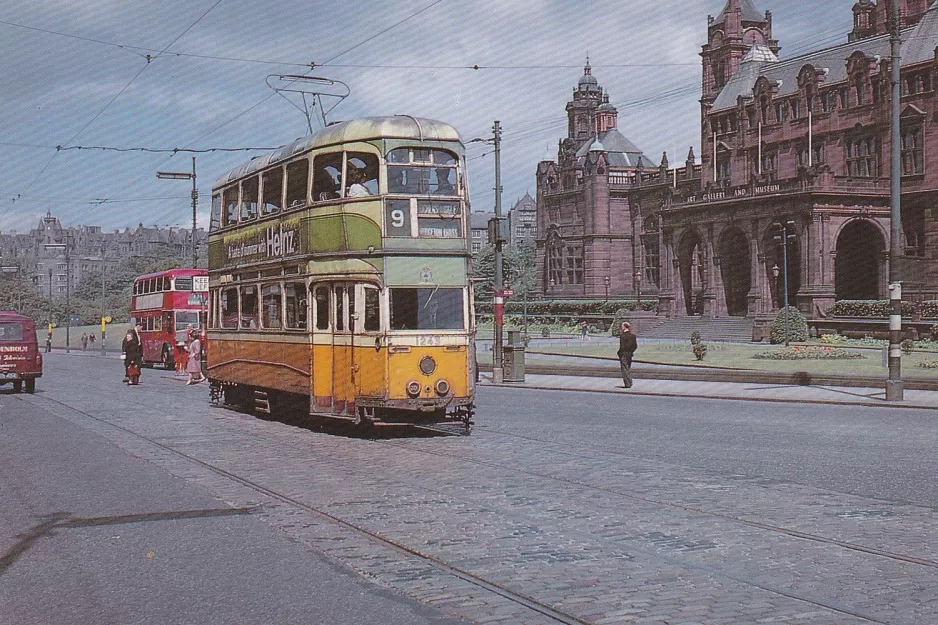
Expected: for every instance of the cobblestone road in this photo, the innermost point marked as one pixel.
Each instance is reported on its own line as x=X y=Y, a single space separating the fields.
x=505 y=528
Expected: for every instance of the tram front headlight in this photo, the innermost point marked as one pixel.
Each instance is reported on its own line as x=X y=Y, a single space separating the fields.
x=442 y=387
x=427 y=365
x=413 y=388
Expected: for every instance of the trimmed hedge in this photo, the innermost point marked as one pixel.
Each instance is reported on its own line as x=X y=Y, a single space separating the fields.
x=797 y=326
x=566 y=307
x=879 y=308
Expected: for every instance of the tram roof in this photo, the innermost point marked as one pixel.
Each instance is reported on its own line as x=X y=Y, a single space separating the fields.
x=362 y=129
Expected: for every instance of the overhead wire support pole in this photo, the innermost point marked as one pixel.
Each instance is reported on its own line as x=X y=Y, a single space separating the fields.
x=498 y=367
x=894 y=385
x=195 y=205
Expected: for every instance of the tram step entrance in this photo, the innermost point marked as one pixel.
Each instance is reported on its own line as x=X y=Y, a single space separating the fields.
x=261 y=402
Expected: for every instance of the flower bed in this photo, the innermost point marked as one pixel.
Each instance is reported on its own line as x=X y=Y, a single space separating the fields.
x=809 y=352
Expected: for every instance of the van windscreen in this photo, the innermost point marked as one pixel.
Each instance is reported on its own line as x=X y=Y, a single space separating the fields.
x=11 y=331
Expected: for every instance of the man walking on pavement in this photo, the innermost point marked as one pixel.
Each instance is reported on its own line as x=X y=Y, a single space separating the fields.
x=627 y=346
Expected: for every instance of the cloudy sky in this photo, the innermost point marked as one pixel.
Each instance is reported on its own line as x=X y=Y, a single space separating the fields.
x=193 y=74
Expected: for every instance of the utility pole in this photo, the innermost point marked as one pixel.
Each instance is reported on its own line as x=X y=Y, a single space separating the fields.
x=894 y=384
x=498 y=368
x=195 y=204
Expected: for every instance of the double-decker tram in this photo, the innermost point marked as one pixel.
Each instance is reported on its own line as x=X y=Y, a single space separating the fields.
x=339 y=277
x=167 y=305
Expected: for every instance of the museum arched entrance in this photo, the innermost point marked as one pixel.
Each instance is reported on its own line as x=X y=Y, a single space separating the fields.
x=735 y=271
x=693 y=276
x=860 y=264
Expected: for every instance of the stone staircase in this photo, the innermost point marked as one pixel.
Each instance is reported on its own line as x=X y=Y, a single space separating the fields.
x=725 y=329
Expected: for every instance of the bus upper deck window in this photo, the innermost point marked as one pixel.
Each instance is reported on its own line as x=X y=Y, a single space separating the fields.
x=273 y=190
x=297 y=183
x=249 y=190
x=230 y=202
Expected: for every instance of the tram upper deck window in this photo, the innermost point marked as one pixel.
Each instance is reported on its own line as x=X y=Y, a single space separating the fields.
x=249 y=191
x=272 y=188
x=327 y=176
x=414 y=171
x=297 y=183
x=215 y=223
x=362 y=174
x=427 y=308
x=231 y=205
x=248 y=307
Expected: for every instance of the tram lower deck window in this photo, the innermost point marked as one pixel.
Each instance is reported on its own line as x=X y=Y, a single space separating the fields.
x=427 y=308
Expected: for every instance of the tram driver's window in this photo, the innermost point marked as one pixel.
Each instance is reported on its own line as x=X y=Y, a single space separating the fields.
x=249 y=307
x=362 y=173
x=297 y=182
x=249 y=190
x=322 y=308
x=273 y=191
x=372 y=310
x=327 y=176
x=231 y=205
x=430 y=308
x=270 y=306
x=295 y=300
x=229 y=308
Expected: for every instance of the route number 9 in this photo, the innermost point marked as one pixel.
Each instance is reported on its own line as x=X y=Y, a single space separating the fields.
x=397 y=218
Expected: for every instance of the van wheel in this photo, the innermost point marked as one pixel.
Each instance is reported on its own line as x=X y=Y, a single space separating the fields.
x=18 y=386
x=31 y=385
x=168 y=362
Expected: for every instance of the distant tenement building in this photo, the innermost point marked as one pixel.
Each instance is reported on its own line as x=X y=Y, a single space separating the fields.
x=805 y=140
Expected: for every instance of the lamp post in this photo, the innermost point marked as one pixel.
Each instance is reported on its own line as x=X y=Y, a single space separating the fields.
x=606 y=283
x=182 y=175
x=784 y=237
x=65 y=247
x=49 y=333
x=638 y=289
x=775 y=272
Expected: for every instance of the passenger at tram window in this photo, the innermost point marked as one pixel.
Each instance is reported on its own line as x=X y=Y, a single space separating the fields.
x=272 y=189
x=249 y=307
x=297 y=183
x=231 y=205
x=365 y=166
x=356 y=189
x=443 y=184
x=327 y=171
x=249 y=189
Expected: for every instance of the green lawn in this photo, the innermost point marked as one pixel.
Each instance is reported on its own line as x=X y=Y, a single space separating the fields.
x=740 y=356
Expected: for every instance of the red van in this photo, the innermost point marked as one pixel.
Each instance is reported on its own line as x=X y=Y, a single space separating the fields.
x=20 y=360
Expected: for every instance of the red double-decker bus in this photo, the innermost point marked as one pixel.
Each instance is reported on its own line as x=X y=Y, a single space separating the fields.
x=164 y=305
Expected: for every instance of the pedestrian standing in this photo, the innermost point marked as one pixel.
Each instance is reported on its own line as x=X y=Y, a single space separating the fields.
x=91 y=340
x=84 y=341
x=584 y=331
x=194 y=366
x=133 y=356
x=628 y=343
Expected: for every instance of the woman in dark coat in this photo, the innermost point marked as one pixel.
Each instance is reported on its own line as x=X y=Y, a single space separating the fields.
x=627 y=346
x=133 y=356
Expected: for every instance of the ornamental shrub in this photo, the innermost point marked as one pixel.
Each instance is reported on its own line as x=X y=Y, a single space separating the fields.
x=797 y=326
x=699 y=349
x=907 y=346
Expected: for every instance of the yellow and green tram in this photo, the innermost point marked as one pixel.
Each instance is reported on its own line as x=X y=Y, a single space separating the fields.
x=339 y=276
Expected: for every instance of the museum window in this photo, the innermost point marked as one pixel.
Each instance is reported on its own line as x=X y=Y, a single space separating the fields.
x=573 y=264
x=723 y=169
x=828 y=101
x=913 y=155
x=770 y=164
x=652 y=249
x=817 y=154
x=863 y=158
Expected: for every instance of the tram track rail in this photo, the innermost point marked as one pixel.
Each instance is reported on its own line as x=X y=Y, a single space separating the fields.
x=519 y=598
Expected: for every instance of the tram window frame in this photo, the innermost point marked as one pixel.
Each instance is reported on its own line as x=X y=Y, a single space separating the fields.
x=406 y=303
x=296 y=313
x=272 y=178
x=228 y=317
x=230 y=197
x=338 y=308
x=369 y=166
x=417 y=171
x=297 y=196
x=215 y=221
x=323 y=307
x=250 y=191
x=371 y=315
x=327 y=176
x=272 y=301
x=248 y=310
